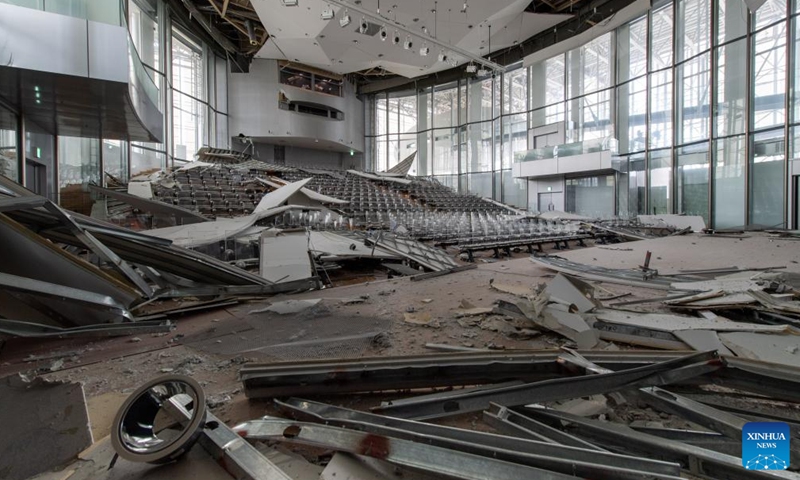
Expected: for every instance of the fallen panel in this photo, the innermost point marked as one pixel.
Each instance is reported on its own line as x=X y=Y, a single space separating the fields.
x=695 y=222
x=404 y=166
x=573 y=291
x=429 y=257
x=669 y=323
x=784 y=349
x=182 y=215
x=140 y=189
x=435 y=460
x=634 y=278
x=569 y=325
x=377 y=178
x=34 y=330
x=588 y=463
x=557 y=389
x=310 y=194
x=45 y=425
x=332 y=246
x=284 y=258
x=692 y=458
x=702 y=340
x=421 y=371
x=289 y=306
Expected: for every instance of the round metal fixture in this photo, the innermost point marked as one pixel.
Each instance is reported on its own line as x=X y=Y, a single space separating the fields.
x=160 y=421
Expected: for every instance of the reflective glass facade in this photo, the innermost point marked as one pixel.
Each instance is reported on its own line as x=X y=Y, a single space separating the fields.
x=699 y=93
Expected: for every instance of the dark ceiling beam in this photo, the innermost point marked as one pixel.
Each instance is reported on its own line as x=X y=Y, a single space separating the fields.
x=589 y=13
x=239 y=61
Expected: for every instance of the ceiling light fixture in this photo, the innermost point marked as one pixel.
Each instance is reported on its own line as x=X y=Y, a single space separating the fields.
x=483 y=72
x=464 y=8
x=408 y=44
x=327 y=14
x=289 y=3
x=396 y=38
x=345 y=20
x=425 y=50
x=442 y=56
x=384 y=33
x=472 y=68
x=363 y=26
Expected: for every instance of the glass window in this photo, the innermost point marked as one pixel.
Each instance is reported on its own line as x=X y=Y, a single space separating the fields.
x=407 y=114
x=769 y=77
x=767 y=179
x=146 y=157
x=188 y=125
x=589 y=67
x=445 y=151
x=693 y=104
x=445 y=107
x=424 y=153
x=115 y=159
x=515 y=91
x=394 y=116
x=480 y=184
x=632 y=50
x=9 y=163
x=223 y=137
x=143 y=25
x=695 y=27
x=770 y=12
x=515 y=137
x=515 y=190
x=478 y=154
x=480 y=100
x=731 y=88
x=637 y=185
x=731 y=20
x=660 y=172
x=660 y=134
x=424 y=110
x=78 y=164
x=590 y=196
x=187 y=67
x=591 y=117
x=381 y=111
x=661 y=38
x=729 y=165
x=692 y=187
x=631 y=117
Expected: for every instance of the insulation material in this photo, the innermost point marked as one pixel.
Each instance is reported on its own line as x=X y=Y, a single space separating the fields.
x=284 y=258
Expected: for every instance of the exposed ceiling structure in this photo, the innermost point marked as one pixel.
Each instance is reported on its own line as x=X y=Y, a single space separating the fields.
x=300 y=34
x=312 y=32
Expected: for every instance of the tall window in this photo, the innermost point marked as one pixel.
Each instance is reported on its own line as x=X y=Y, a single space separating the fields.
x=188 y=111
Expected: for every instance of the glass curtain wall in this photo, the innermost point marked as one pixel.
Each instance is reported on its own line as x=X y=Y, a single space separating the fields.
x=699 y=93
x=9 y=154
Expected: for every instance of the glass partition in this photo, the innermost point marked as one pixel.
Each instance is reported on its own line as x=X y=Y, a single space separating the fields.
x=9 y=153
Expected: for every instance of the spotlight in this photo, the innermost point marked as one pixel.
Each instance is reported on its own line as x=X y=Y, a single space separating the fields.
x=408 y=44
x=327 y=14
x=442 y=56
x=483 y=72
x=396 y=38
x=384 y=34
x=453 y=61
x=464 y=8
x=363 y=26
x=425 y=50
x=472 y=68
x=289 y=3
x=345 y=20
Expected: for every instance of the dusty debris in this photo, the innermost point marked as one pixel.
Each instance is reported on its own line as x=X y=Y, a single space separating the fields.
x=419 y=318
x=288 y=307
x=45 y=425
x=515 y=290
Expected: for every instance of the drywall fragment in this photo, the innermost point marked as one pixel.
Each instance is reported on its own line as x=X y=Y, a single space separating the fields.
x=702 y=340
x=45 y=425
x=767 y=348
x=573 y=291
x=569 y=325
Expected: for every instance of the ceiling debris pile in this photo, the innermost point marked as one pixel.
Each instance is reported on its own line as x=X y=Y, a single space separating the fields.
x=551 y=413
x=64 y=274
x=645 y=227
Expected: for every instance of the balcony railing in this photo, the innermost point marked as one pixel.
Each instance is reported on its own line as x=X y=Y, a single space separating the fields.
x=569 y=149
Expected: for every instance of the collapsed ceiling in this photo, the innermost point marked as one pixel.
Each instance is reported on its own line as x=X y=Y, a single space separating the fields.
x=391 y=41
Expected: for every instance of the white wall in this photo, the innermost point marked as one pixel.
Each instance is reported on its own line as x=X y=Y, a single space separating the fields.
x=307 y=157
x=253 y=108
